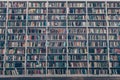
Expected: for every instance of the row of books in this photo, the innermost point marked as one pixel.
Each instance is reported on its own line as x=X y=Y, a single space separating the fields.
x=3 y=4
x=37 y=23
x=70 y=23
x=36 y=50
x=57 y=37
x=98 y=64
x=77 y=44
x=15 y=51
x=16 y=31
x=59 y=64
x=56 y=17
x=17 y=11
x=98 y=44
x=97 y=30
x=76 y=17
x=57 y=30
x=97 y=37
x=14 y=65
x=98 y=71
x=76 y=23
x=1 y=64
x=98 y=57
x=114 y=57
x=2 y=17
x=37 y=4
x=77 y=50
x=114 y=64
x=72 y=57
x=36 y=71
x=36 y=30
x=56 y=71
x=76 y=11
x=77 y=30
x=57 y=11
x=57 y=50
x=96 y=23
x=77 y=37
x=56 y=57
x=2 y=37
x=114 y=43
x=97 y=17
x=2 y=31
x=57 y=4
x=37 y=17
x=96 y=11
x=2 y=51
x=15 y=58
x=56 y=23
x=113 y=17
x=114 y=23
x=2 y=24
x=113 y=11
x=17 y=23
x=96 y=5
x=36 y=44
x=37 y=11
x=60 y=30
x=77 y=64
x=3 y=11
x=14 y=72
x=17 y=4
x=57 y=44
x=36 y=58
x=98 y=50
x=16 y=44
x=76 y=4
x=115 y=71
x=77 y=71
x=113 y=4
x=51 y=17
x=36 y=37
x=113 y=37
x=59 y=23
x=36 y=64
x=16 y=17
x=16 y=37
x=1 y=72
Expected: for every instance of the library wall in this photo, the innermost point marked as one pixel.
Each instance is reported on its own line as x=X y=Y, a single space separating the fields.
x=59 y=37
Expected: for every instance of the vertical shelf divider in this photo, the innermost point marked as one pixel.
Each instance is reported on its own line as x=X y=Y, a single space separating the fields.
x=5 y=52
x=67 y=37
x=26 y=37
x=46 y=37
x=107 y=39
x=87 y=37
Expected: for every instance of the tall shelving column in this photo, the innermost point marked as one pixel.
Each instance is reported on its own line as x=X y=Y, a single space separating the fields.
x=26 y=38
x=87 y=37
x=113 y=18
x=47 y=38
x=107 y=38
x=67 y=37
x=5 y=39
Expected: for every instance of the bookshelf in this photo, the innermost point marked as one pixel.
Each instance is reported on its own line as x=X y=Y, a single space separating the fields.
x=61 y=37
